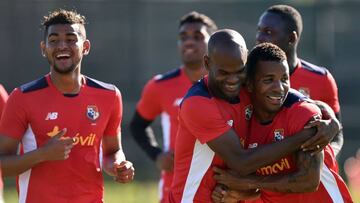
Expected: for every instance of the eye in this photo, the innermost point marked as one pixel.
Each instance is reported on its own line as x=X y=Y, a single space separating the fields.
x=199 y=37
x=285 y=79
x=267 y=80
x=183 y=37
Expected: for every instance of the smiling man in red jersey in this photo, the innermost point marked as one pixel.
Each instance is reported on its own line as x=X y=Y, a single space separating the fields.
x=67 y=124
x=279 y=111
x=282 y=25
x=163 y=94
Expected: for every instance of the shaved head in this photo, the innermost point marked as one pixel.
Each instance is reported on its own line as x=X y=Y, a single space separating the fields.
x=225 y=61
x=227 y=41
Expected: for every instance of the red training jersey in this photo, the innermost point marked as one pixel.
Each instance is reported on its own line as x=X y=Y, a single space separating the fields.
x=37 y=111
x=316 y=83
x=202 y=118
x=162 y=96
x=292 y=118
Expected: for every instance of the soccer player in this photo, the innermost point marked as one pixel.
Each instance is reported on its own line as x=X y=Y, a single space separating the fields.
x=282 y=25
x=67 y=124
x=3 y=98
x=212 y=116
x=279 y=111
x=163 y=94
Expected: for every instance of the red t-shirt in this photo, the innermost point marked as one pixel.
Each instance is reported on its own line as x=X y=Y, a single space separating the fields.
x=202 y=118
x=291 y=119
x=162 y=96
x=37 y=111
x=315 y=82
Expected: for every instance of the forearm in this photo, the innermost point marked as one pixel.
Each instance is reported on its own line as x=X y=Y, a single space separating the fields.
x=144 y=136
x=305 y=179
x=255 y=158
x=13 y=165
x=338 y=141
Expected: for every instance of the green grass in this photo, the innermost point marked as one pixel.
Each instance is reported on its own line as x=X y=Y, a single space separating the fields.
x=134 y=192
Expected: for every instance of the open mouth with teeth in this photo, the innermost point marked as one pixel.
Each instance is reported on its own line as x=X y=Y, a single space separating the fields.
x=62 y=56
x=278 y=99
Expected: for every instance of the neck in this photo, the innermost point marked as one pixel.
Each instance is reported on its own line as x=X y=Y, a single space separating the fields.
x=194 y=73
x=292 y=61
x=67 y=83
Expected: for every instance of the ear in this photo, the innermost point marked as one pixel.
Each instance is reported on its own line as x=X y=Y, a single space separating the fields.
x=42 y=48
x=86 y=47
x=207 y=62
x=293 y=38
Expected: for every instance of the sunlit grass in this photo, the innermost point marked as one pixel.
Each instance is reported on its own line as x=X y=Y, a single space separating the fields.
x=135 y=192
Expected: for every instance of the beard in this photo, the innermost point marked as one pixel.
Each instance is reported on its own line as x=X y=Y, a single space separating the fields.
x=64 y=70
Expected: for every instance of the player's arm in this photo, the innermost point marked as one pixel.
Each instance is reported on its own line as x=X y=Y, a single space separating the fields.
x=328 y=131
x=144 y=136
x=114 y=160
x=338 y=141
x=228 y=147
x=57 y=148
x=306 y=179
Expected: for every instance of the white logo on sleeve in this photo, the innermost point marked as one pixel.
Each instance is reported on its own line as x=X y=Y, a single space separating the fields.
x=51 y=116
x=178 y=101
x=230 y=122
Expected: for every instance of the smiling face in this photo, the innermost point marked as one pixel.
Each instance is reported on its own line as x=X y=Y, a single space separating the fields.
x=64 y=47
x=226 y=70
x=269 y=88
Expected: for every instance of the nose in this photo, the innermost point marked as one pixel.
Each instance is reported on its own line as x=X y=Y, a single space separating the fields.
x=279 y=86
x=62 y=44
x=233 y=79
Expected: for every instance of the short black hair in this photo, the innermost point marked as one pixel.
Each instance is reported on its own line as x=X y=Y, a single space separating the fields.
x=62 y=16
x=263 y=52
x=195 y=17
x=291 y=17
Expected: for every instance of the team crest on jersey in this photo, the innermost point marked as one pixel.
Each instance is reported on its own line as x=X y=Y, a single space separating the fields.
x=92 y=112
x=248 y=112
x=305 y=91
x=253 y=145
x=278 y=134
x=230 y=122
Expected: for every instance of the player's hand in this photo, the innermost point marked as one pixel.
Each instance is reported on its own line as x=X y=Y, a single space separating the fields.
x=124 y=172
x=222 y=194
x=230 y=179
x=326 y=131
x=58 y=147
x=218 y=193
x=165 y=161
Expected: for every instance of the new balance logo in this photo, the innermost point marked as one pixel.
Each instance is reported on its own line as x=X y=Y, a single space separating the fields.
x=51 y=116
x=178 y=101
x=230 y=122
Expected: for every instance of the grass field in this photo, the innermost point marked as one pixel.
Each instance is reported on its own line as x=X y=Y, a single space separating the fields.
x=136 y=192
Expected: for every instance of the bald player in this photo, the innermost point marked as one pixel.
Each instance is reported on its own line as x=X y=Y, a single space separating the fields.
x=213 y=134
